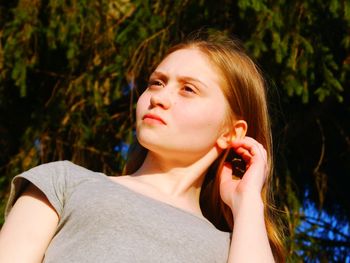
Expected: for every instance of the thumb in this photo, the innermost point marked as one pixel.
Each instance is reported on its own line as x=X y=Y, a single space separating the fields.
x=226 y=173
x=227 y=184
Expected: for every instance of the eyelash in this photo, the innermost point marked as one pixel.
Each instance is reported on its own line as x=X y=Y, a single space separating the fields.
x=154 y=83
x=189 y=89
x=157 y=83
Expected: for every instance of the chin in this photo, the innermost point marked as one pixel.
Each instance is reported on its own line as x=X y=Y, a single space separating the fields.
x=148 y=143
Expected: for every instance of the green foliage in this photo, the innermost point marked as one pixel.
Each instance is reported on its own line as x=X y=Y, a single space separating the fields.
x=71 y=71
x=298 y=34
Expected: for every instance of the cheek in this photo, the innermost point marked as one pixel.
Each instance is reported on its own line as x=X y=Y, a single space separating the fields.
x=142 y=104
x=204 y=119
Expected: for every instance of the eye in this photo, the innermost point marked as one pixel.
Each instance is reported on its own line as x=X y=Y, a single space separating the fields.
x=189 y=90
x=155 y=83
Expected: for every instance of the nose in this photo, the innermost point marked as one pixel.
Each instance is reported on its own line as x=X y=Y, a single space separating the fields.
x=160 y=99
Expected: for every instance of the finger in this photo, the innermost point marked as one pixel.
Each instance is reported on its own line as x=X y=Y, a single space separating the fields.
x=263 y=151
x=246 y=140
x=249 y=144
x=226 y=173
x=244 y=153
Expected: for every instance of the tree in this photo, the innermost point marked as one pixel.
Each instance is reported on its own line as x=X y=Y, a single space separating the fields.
x=71 y=71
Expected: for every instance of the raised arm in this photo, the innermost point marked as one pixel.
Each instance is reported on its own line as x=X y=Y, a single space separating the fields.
x=28 y=229
x=249 y=237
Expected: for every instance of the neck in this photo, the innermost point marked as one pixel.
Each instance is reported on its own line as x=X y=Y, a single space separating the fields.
x=176 y=179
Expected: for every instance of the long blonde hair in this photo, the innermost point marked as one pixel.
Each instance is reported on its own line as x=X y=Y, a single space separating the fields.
x=244 y=89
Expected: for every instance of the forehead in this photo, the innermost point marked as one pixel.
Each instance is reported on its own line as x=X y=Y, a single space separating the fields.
x=189 y=62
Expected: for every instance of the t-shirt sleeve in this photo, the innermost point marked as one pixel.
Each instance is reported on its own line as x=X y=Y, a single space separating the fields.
x=50 y=178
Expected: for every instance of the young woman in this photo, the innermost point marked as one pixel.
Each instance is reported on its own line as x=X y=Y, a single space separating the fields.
x=181 y=200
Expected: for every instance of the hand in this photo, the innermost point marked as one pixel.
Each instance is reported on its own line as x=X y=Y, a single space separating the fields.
x=234 y=191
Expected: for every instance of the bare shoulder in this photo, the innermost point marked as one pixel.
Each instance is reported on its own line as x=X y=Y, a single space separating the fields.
x=29 y=228
x=34 y=192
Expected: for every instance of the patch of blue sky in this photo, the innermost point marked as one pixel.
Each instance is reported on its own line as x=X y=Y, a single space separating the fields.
x=37 y=144
x=128 y=88
x=320 y=224
x=123 y=149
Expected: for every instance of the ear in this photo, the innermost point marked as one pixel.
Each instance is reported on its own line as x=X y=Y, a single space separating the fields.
x=238 y=131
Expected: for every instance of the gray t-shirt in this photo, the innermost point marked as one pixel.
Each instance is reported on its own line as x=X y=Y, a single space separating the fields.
x=103 y=221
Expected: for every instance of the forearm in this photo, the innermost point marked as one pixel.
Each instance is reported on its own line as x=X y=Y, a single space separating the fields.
x=249 y=238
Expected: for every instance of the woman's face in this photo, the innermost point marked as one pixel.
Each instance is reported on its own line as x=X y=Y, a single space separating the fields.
x=182 y=112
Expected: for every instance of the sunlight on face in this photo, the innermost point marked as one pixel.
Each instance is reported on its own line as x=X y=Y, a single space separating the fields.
x=182 y=111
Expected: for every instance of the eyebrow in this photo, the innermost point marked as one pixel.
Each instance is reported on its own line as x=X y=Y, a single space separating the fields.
x=164 y=77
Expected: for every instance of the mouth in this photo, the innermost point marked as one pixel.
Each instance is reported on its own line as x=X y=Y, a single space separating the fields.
x=153 y=119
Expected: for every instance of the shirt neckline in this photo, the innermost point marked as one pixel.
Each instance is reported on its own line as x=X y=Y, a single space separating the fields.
x=109 y=178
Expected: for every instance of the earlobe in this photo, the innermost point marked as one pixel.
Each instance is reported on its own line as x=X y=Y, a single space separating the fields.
x=222 y=142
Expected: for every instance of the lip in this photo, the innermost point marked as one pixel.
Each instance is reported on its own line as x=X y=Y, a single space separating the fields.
x=153 y=118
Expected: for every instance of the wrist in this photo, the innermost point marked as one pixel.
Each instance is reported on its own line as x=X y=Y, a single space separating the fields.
x=248 y=204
